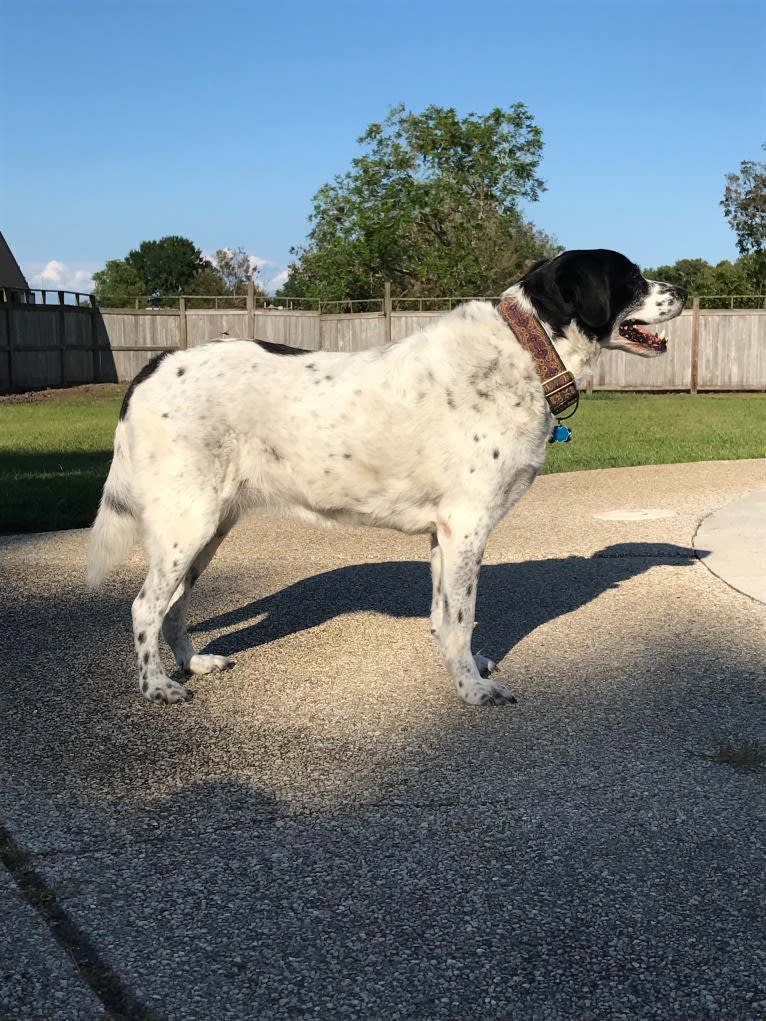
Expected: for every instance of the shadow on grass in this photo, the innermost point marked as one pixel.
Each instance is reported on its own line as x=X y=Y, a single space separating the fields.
x=41 y=492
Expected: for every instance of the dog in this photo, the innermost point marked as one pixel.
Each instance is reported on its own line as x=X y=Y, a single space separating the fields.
x=440 y=433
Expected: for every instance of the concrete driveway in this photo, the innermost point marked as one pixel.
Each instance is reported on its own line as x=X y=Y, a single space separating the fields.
x=326 y=832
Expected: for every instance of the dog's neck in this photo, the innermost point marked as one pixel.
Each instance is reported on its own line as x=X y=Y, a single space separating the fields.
x=578 y=354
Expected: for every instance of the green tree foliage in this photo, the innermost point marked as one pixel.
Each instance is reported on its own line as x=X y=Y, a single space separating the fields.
x=724 y=279
x=167 y=266
x=744 y=205
x=229 y=273
x=118 y=284
x=432 y=205
x=159 y=271
x=236 y=269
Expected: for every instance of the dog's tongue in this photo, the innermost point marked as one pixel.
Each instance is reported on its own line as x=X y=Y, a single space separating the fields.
x=649 y=334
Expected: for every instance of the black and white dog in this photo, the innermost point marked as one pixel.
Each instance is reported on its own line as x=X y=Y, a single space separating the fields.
x=440 y=433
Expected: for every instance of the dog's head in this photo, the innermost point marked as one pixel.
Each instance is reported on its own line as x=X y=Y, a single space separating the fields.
x=605 y=296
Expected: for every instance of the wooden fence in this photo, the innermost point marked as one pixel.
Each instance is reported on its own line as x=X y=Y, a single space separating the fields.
x=63 y=345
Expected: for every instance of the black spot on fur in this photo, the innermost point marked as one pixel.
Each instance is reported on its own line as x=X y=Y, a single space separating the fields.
x=347 y=457
x=146 y=656
x=181 y=371
x=141 y=377
x=145 y=687
x=141 y=637
x=451 y=400
x=280 y=349
x=469 y=590
x=475 y=437
x=329 y=379
x=116 y=506
x=460 y=616
x=496 y=453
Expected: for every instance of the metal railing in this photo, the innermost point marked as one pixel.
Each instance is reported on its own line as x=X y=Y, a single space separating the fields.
x=79 y=299
x=46 y=296
x=731 y=301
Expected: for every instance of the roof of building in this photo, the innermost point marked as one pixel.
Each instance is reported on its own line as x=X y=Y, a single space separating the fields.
x=10 y=271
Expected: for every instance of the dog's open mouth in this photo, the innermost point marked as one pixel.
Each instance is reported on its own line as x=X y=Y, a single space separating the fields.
x=636 y=333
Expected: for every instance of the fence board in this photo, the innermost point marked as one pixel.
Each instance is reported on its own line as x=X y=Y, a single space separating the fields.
x=49 y=345
x=732 y=351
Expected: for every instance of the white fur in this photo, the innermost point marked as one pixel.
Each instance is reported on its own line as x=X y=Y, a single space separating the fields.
x=440 y=433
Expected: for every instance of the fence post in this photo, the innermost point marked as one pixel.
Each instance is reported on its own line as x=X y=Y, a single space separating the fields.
x=94 y=340
x=183 y=339
x=9 y=323
x=251 y=309
x=62 y=328
x=387 y=312
x=694 y=380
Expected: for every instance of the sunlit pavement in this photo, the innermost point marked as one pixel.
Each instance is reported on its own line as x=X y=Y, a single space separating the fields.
x=326 y=832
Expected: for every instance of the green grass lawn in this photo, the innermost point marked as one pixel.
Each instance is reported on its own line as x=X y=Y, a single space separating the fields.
x=54 y=454
x=613 y=430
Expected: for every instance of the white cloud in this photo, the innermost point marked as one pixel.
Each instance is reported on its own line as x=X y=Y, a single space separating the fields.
x=273 y=283
x=59 y=276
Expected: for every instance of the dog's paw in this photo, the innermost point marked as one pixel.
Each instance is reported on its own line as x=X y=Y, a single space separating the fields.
x=166 y=692
x=487 y=693
x=207 y=664
x=483 y=665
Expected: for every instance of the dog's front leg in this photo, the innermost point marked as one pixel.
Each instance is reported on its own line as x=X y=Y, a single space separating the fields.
x=456 y=554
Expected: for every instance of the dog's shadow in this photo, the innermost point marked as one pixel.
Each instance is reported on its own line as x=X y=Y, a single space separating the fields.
x=512 y=600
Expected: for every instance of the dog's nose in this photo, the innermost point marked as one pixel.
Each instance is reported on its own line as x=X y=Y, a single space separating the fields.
x=681 y=294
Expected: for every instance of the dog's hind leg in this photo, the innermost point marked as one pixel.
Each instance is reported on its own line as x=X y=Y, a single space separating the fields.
x=174 y=625
x=462 y=543
x=176 y=540
x=436 y=582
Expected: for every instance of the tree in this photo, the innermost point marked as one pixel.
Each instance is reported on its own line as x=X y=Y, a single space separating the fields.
x=167 y=266
x=236 y=269
x=118 y=284
x=432 y=206
x=228 y=274
x=744 y=205
x=724 y=279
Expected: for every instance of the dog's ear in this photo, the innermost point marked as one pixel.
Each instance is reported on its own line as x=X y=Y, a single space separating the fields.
x=586 y=291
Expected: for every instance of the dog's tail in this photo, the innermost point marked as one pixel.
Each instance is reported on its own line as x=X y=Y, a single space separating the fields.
x=116 y=526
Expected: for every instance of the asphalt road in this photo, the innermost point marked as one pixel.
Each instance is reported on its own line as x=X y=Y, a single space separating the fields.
x=325 y=832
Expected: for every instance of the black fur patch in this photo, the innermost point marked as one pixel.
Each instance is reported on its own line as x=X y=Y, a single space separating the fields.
x=143 y=375
x=281 y=349
x=590 y=288
x=115 y=505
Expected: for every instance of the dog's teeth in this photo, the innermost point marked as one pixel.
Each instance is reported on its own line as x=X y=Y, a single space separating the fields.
x=663 y=336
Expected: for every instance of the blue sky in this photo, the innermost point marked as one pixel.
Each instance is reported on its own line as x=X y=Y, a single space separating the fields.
x=126 y=122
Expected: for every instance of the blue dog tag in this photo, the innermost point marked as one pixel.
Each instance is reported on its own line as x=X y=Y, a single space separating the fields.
x=561 y=434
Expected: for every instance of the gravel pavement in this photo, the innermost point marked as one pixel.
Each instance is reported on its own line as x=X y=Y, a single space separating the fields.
x=325 y=832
